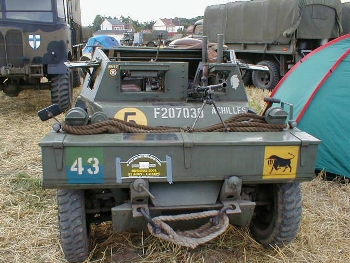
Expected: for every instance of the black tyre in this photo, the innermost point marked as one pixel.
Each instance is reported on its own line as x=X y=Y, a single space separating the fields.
x=72 y=224
x=266 y=80
x=76 y=77
x=278 y=214
x=246 y=74
x=85 y=58
x=151 y=44
x=81 y=71
x=62 y=91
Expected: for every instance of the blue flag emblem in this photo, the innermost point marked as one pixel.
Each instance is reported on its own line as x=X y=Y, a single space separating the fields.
x=34 y=41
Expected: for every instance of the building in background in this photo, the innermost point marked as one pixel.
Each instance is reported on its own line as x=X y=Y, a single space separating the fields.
x=112 y=24
x=168 y=24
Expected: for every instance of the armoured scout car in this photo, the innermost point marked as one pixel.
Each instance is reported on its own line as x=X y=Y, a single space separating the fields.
x=166 y=135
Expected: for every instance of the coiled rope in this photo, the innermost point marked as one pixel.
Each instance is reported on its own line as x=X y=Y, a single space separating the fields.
x=190 y=238
x=243 y=122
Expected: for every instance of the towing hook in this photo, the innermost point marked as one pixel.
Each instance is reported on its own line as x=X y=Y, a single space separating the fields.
x=156 y=228
x=215 y=220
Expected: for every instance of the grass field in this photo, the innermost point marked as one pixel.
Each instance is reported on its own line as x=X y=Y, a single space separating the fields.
x=29 y=231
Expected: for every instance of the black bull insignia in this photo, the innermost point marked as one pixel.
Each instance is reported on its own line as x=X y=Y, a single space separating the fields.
x=278 y=162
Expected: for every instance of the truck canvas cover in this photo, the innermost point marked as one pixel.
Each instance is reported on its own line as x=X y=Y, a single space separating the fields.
x=345 y=15
x=273 y=21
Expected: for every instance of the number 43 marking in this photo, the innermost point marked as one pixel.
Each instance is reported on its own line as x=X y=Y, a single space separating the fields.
x=78 y=167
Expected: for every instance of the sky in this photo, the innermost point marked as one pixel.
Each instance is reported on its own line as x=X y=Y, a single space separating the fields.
x=143 y=10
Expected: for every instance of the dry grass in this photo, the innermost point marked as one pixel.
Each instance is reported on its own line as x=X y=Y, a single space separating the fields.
x=29 y=232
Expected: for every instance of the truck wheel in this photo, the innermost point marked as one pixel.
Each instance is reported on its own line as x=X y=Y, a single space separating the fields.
x=246 y=74
x=151 y=44
x=277 y=220
x=266 y=80
x=62 y=91
x=72 y=224
x=76 y=77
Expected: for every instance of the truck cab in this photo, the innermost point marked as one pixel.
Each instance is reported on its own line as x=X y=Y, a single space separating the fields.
x=36 y=38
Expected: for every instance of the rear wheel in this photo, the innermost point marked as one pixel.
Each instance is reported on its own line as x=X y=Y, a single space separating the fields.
x=278 y=214
x=72 y=224
x=62 y=91
x=76 y=77
x=246 y=74
x=151 y=44
x=10 y=87
x=266 y=79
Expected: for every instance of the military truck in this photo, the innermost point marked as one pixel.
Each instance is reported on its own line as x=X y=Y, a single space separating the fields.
x=274 y=33
x=163 y=139
x=149 y=39
x=155 y=38
x=345 y=17
x=36 y=38
x=127 y=39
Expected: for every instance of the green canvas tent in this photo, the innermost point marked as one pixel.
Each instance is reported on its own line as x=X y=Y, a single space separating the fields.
x=318 y=86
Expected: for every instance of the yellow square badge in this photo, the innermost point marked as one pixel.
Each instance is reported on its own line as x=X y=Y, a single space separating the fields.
x=280 y=162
